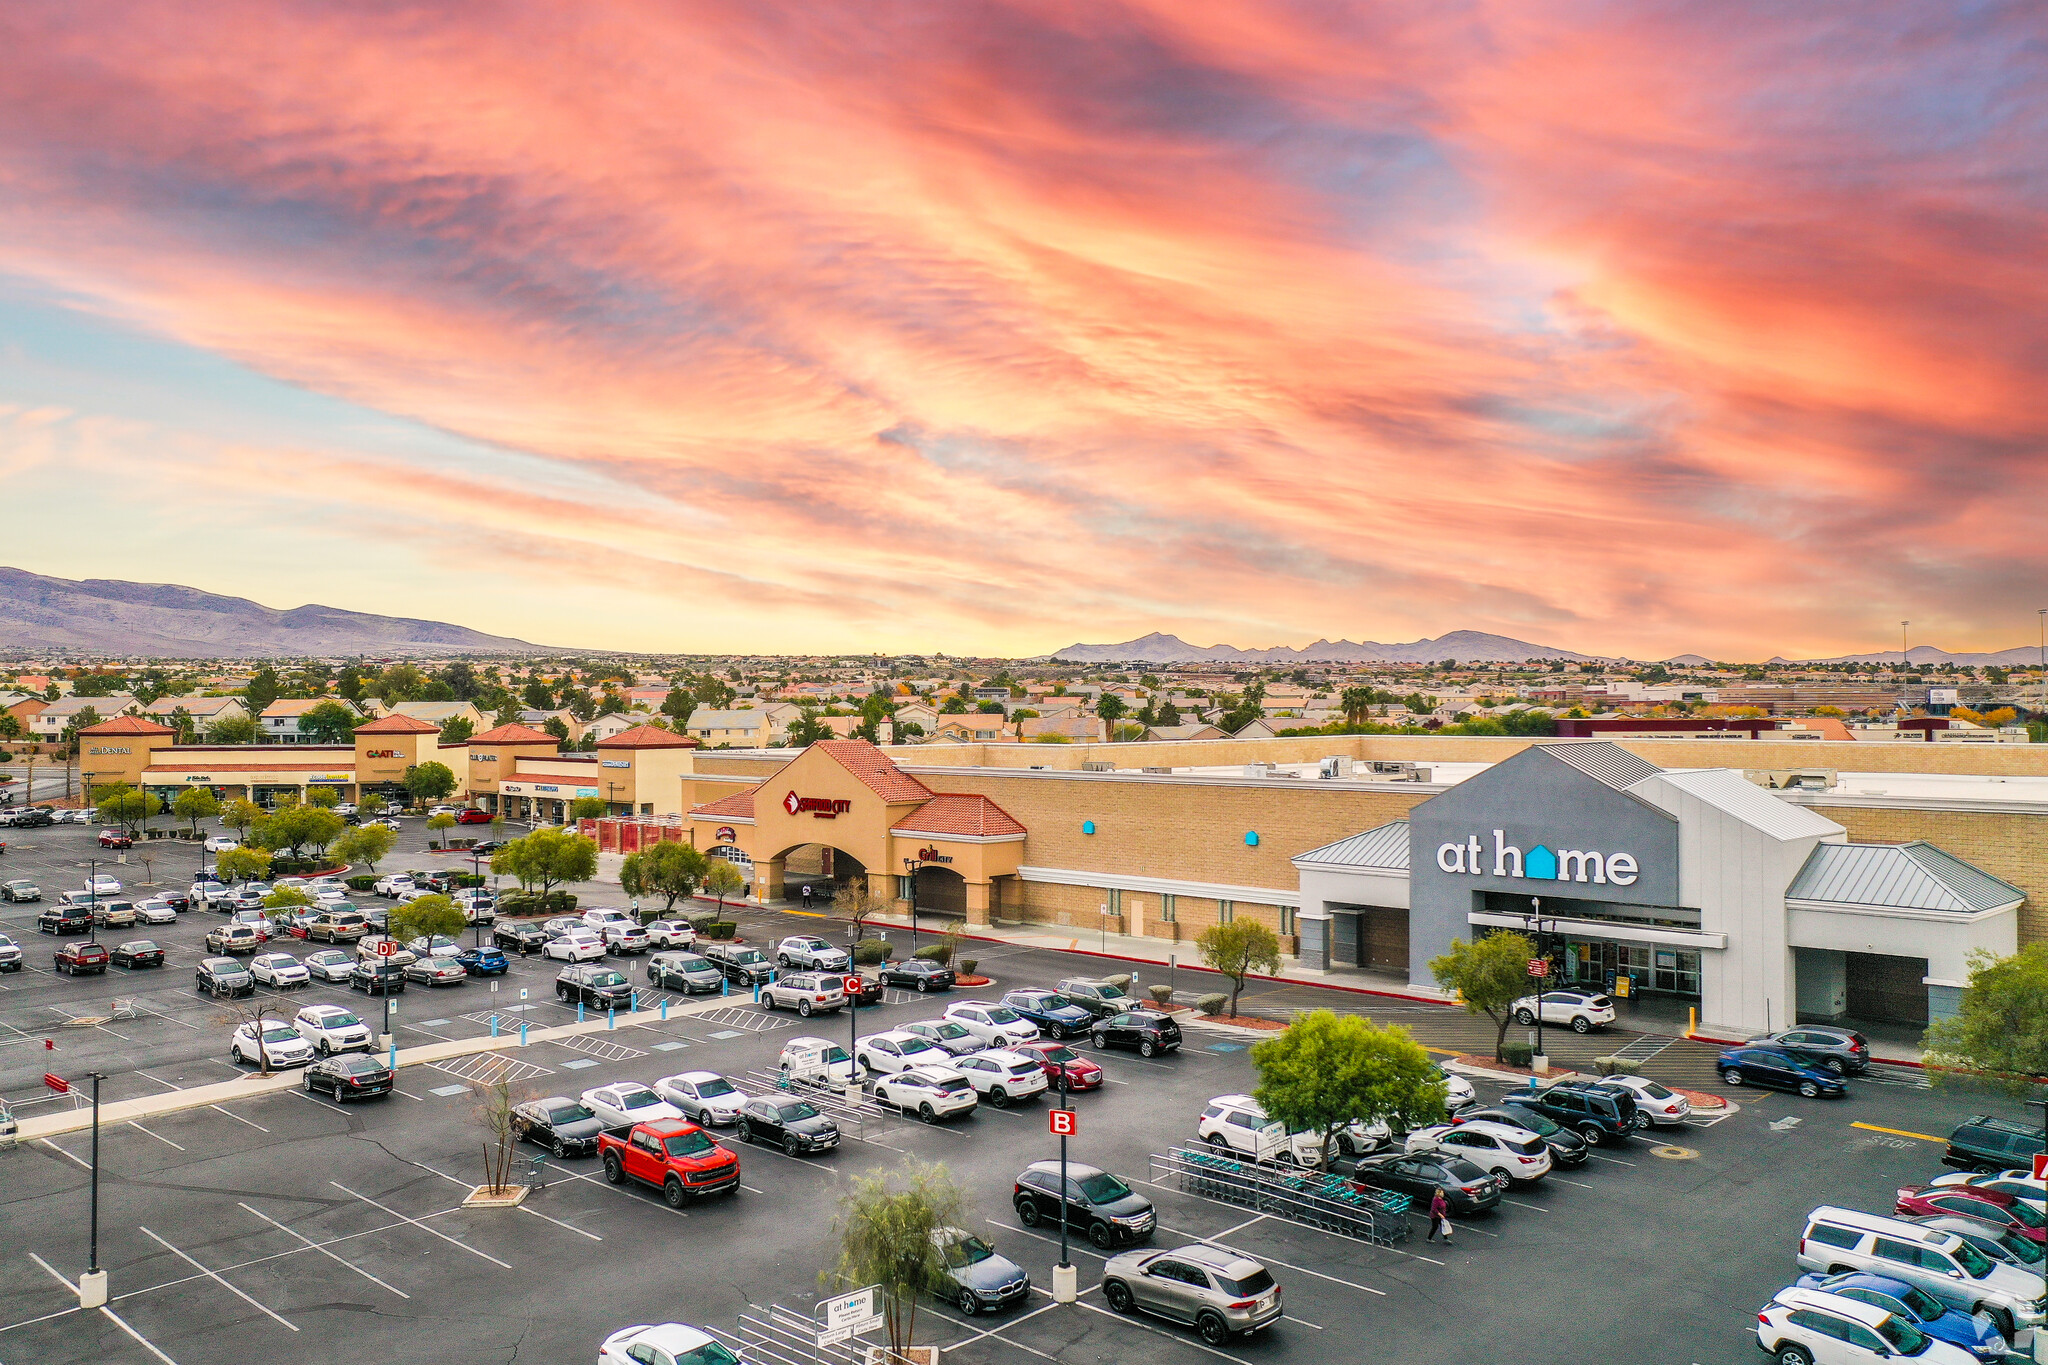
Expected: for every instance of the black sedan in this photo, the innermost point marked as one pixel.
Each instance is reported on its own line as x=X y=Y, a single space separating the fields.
x=1566 y=1147
x=1146 y=1030
x=795 y=1125
x=352 y=1076
x=918 y=974
x=869 y=991
x=1056 y=1016
x=1420 y=1175
x=558 y=1123
x=520 y=938
x=136 y=952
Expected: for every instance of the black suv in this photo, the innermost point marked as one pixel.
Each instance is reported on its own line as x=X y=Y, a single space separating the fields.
x=1595 y=1115
x=520 y=938
x=1096 y=1202
x=1145 y=1030
x=66 y=919
x=33 y=819
x=742 y=963
x=1986 y=1144
x=377 y=978
x=594 y=983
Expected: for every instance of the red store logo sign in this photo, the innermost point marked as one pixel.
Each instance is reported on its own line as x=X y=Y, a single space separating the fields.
x=823 y=808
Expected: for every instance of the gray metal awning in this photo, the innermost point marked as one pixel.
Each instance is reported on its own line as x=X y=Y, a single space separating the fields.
x=1914 y=876
x=1382 y=849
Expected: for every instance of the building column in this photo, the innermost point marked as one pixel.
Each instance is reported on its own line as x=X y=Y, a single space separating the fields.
x=1822 y=987
x=978 y=902
x=768 y=879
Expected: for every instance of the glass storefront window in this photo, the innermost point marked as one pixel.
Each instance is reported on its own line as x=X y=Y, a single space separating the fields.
x=1677 y=972
x=1668 y=970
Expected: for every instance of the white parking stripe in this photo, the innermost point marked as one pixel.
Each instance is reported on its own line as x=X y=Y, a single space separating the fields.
x=1520 y=1205
x=455 y=1241
x=315 y=1246
x=453 y=1180
x=61 y=1152
x=259 y=1307
x=1075 y=1243
x=239 y=1119
x=158 y=1136
x=111 y=1315
x=1170 y=1336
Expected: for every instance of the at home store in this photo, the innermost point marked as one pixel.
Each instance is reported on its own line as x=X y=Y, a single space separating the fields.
x=1694 y=883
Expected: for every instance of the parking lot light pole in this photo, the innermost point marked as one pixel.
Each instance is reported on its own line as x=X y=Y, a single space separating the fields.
x=1063 y=1274
x=92 y=1285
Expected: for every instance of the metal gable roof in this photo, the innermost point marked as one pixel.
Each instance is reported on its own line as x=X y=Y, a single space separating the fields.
x=1604 y=762
x=1915 y=876
x=1383 y=849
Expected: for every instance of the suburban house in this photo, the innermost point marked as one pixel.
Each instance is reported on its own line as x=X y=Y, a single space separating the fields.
x=279 y=723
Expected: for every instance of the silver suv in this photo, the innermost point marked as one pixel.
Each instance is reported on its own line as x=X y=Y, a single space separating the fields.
x=1941 y=1263
x=807 y=993
x=811 y=952
x=1218 y=1291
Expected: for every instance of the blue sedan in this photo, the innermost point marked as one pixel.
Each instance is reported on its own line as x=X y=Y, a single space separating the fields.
x=1976 y=1335
x=484 y=961
x=1777 y=1070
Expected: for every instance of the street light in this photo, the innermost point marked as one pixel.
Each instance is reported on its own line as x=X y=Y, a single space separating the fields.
x=1534 y=919
x=910 y=865
x=92 y=1285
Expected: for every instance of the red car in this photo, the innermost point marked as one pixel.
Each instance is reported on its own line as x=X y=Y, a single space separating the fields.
x=114 y=838
x=1986 y=1206
x=473 y=817
x=1082 y=1074
x=673 y=1155
x=74 y=959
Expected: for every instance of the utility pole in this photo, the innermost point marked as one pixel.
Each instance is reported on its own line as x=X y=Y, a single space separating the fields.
x=1063 y=1274
x=92 y=1285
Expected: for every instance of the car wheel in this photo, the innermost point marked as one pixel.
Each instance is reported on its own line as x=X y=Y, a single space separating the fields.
x=1593 y=1134
x=1217 y=1141
x=1027 y=1212
x=1834 y=1064
x=1212 y=1329
x=1524 y=1017
x=783 y=961
x=924 y=987
x=1809 y=1090
x=322 y=1048
x=1117 y=1294
x=999 y=1097
x=672 y=1192
x=1101 y=1236
x=1286 y=1158
x=790 y=1146
x=1101 y=1042
x=311 y=1089
x=803 y=1009
x=1789 y=1354
x=1582 y=1025
x=970 y=1303
x=614 y=1170
x=927 y=1113
x=559 y=1148
x=746 y=1130
x=1732 y=1076
x=2001 y=1319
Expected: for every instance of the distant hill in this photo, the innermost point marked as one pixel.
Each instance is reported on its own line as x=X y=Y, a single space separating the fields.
x=107 y=616
x=2020 y=657
x=1461 y=645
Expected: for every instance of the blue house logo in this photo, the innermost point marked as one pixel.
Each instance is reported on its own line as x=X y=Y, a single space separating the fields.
x=1541 y=864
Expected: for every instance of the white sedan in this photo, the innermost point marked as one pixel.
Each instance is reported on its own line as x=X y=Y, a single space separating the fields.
x=1665 y=1106
x=1517 y=1153
x=897 y=1050
x=2017 y=1183
x=222 y=843
x=329 y=894
x=1579 y=1011
x=331 y=964
x=281 y=971
x=930 y=1092
x=705 y=1097
x=577 y=945
x=280 y=1043
x=996 y=1025
x=101 y=886
x=664 y=1342
x=156 y=910
x=333 y=1028
x=627 y=1103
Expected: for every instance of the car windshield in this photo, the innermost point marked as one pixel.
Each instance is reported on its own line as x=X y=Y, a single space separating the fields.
x=710 y=1353
x=338 y=1019
x=638 y=1099
x=1258 y=1282
x=2020 y=1249
x=717 y=1085
x=2024 y=1214
x=998 y=1015
x=1025 y=1068
x=748 y=955
x=796 y=1113
x=1103 y=1188
x=835 y=1054
x=140 y=945
x=1904 y=1337
x=969 y=1250
x=691 y=963
x=278 y=1034
x=1055 y=1002
x=569 y=1113
x=222 y=964
x=1531 y=1120
x=1654 y=1090
x=1059 y=1054
x=687 y=1144
x=947 y=1030
x=1974 y=1262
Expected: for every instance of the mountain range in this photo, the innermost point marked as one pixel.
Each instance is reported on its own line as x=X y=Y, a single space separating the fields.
x=108 y=616
x=2022 y=657
x=1461 y=645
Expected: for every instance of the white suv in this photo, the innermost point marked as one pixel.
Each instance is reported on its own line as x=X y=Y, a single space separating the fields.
x=1003 y=1076
x=602 y=917
x=1805 y=1326
x=280 y=1043
x=1239 y=1123
x=812 y=953
x=896 y=1050
x=333 y=1028
x=1520 y=1155
x=930 y=1092
x=1580 y=1011
x=996 y=1025
x=394 y=885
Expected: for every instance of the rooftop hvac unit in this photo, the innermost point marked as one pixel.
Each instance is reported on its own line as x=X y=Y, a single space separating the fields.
x=1155 y=770
x=1331 y=767
x=1098 y=767
x=1258 y=770
x=1794 y=779
x=1398 y=770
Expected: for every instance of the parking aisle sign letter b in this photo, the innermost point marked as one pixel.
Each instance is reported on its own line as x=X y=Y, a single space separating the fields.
x=1063 y=1122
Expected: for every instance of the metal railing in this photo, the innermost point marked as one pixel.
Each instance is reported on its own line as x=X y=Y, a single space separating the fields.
x=1316 y=1199
x=861 y=1119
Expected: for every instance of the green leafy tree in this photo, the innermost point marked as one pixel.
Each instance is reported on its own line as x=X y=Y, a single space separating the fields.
x=1330 y=1069
x=372 y=806
x=460 y=678
x=807 y=730
x=87 y=717
x=283 y=901
x=241 y=816
x=195 y=804
x=1169 y=714
x=232 y=730
x=185 y=728
x=670 y=871
x=440 y=824
x=1489 y=977
x=365 y=844
x=1237 y=950
x=678 y=706
x=262 y=689
x=424 y=917
x=327 y=798
x=557 y=727
x=458 y=730
x=537 y=696
x=546 y=859
x=430 y=781
x=1999 y=1034
x=242 y=865
x=722 y=879
x=350 y=685
x=588 y=808
x=126 y=806
x=328 y=723
x=294 y=828
x=1357 y=704
x=893 y=1235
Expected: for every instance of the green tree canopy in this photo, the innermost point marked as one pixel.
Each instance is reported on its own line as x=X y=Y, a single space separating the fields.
x=887 y=1237
x=588 y=808
x=295 y=828
x=722 y=879
x=327 y=798
x=1112 y=708
x=1330 y=1069
x=547 y=858
x=125 y=805
x=1999 y=1034
x=1237 y=950
x=425 y=916
x=1489 y=977
x=372 y=805
x=458 y=730
x=241 y=816
x=231 y=729
x=242 y=865
x=195 y=804
x=262 y=689
x=328 y=723
x=807 y=730
x=671 y=871
x=365 y=844
x=430 y=781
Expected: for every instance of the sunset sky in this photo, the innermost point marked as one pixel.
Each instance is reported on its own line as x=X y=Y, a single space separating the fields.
x=937 y=325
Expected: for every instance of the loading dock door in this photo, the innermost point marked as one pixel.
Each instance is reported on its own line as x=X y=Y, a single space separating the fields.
x=1383 y=939
x=1886 y=989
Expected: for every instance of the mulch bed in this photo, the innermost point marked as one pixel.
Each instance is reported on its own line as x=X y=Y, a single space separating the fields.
x=1248 y=1021
x=972 y=980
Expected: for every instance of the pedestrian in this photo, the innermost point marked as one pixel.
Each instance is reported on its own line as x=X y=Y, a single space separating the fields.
x=807 y=897
x=1439 y=1218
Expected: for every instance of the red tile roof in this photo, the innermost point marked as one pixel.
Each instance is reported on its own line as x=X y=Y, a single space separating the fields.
x=511 y=734
x=647 y=737
x=395 y=724
x=951 y=815
x=128 y=725
x=875 y=769
x=738 y=806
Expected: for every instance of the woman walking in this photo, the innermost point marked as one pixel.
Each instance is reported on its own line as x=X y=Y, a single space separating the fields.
x=1439 y=1218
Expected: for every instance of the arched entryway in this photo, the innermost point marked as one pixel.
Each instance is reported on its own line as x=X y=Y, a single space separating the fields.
x=940 y=892
x=823 y=868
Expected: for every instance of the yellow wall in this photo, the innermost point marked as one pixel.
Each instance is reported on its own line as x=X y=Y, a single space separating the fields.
x=406 y=751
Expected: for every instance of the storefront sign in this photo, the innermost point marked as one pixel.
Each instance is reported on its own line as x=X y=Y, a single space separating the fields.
x=821 y=807
x=199 y=777
x=725 y=834
x=932 y=855
x=483 y=758
x=1540 y=863
x=545 y=787
x=615 y=762
x=381 y=753
x=512 y=788
x=331 y=777
x=110 y=749
x=586 y=791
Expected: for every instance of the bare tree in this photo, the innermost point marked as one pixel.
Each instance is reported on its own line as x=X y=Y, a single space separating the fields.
x=493 y=1113
x=259 y=1013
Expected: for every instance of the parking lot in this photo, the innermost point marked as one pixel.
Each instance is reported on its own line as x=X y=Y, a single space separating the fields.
x=279 y=1227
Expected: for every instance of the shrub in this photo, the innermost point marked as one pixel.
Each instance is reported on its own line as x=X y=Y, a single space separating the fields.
x=940 y=953
x=870 y=951
x=721 y=929
x=702 y=920
x=966 y=965
x=1160 y=992
x=560 y=902
x=1516 y=1054
x=519 y=903
x=1122 y=981
x=1617 y=1066
x=360 y=884
x=1212 y=1003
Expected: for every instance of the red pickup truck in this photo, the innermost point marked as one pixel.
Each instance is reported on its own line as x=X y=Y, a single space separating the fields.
x=674 y=1155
